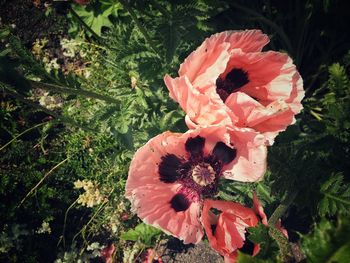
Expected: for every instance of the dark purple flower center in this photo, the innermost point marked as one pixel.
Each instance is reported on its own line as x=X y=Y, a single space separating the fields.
x=233 y=81
x=198 y=174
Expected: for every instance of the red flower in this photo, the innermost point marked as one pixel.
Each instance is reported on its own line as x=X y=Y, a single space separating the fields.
x=173 y=173
x=229 y=81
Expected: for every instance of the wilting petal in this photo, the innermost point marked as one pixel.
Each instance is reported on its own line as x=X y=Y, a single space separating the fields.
x=250 y=162
x=229 y=227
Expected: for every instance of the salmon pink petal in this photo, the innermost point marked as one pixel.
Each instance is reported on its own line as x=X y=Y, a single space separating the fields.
x=230 y=228
x=297 y=94
x=273 y=117
x=153 y=205
x=209 y=60
x=200 y=108
x=265 y=82
x=250 y=162
x=259 y=210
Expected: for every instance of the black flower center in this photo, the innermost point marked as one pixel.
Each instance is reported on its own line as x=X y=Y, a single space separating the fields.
x=233 y=81
x=198 y=174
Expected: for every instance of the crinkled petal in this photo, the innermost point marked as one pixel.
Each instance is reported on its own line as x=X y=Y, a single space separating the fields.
x=207 y=54
x=265 y=82
x=250 y=162
x=200 y=108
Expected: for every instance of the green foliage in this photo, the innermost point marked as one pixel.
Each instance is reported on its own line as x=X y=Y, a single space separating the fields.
x=336 y=196
x=260 y=235
x=97 y=15
x=244 y=258
x=143 y=233
x=329 y=241
x=337 y=103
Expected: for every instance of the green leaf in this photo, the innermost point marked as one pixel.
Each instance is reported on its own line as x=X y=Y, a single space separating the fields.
x=97 y=15
x=244 y=258
x=142 y=232
x=336 y=196
x=260 y=235
x=329 y=242
x=170 y=119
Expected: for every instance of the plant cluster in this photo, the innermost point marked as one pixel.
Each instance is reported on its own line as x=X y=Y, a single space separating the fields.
x=71 y=121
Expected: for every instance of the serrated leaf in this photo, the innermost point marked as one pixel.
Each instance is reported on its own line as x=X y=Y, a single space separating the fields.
x=328 y=242
x=244 y=258
x=335 y=196
x=142 y=232
x=260 y=235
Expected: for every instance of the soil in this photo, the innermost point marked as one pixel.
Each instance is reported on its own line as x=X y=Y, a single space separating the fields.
x=29 y=21
x=174 y=250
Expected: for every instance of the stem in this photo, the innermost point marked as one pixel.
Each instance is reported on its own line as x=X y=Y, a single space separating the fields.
x=281 y=209
x=283 y=244
x=22 y=133
x=282 y=241
x=42 y=180
x=139 y=26
x=85 y=93
x=65 y=222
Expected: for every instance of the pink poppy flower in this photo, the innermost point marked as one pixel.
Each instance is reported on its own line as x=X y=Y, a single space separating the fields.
x=228 y=80
x=173 y=173
x=226 y=231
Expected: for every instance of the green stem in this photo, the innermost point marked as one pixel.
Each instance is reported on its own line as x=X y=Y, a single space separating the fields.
x=85 y=93
x=22 y=133
x=65 y=222
x=283 y=244
x=42 y=180
x=282 y=241
x=281 y=209
x=139 y=25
